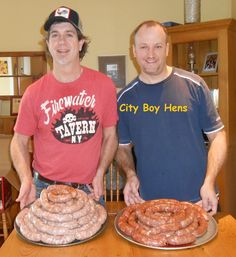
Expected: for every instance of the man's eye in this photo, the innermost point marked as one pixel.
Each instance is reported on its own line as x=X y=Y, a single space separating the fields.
x=54 y=35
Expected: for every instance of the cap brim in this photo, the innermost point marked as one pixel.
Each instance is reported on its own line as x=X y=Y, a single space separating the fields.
x=50 y=21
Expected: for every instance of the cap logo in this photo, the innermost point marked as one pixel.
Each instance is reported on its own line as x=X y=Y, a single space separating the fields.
x=63 y=12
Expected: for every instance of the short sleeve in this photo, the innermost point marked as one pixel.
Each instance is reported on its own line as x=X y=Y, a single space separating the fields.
x=123 y=129
x=26 y=123
x=209 y=117
x=110 y=115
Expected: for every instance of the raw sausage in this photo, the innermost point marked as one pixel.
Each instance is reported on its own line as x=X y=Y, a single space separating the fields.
x=61 y=218
x=163 y=222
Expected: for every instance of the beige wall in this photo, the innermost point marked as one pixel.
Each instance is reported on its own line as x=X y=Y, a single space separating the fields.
x=107 y=22
x=234 y=9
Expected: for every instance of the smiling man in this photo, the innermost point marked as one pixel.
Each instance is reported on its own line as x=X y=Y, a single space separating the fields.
x=71 y=113
x=172 y=160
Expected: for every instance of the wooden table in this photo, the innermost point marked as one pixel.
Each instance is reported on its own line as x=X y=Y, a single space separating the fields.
x=110 y=244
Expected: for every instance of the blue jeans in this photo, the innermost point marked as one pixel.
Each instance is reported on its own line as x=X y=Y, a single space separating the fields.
x=40 y=185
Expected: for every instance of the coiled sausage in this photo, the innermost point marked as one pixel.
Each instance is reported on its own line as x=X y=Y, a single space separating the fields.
x=163 y=222
x=48 y=222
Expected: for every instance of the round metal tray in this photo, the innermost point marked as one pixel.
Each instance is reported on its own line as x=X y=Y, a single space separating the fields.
x=75 y=242
x=208 y=236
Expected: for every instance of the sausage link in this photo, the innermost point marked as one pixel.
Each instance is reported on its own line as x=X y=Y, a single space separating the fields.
x=20 y=216
x=38 y=211
x=61 y=193
x=181 y=240
x=46 y=228
x=70 y=206
x=202 y=227
x=163 y=222
x=158 y=241
x=57 y=240
x=28 y=230
x=60 y=216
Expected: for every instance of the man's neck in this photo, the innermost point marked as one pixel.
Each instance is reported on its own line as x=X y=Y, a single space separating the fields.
x=153 y=79
x=68 y=73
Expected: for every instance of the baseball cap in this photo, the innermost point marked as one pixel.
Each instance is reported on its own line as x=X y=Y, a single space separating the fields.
x=63 y=14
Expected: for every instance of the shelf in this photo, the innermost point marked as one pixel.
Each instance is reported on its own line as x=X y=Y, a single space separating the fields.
x=8 y=117
x=20 y=76
x=5 y=97
x=20 y=69
x=208 y=74
x=206 y=38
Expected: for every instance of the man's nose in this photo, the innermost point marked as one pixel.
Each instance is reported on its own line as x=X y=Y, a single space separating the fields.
x=61 y=39
x=151 y=52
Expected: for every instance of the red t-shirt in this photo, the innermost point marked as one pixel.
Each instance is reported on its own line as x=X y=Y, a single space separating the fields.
x=67 y=121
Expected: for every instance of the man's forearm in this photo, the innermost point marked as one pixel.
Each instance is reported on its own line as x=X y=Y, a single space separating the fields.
x=21 y=157
x=216 y=156
x=125 y=160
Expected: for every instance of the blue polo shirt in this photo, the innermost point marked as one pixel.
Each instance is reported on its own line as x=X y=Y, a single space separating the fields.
x=165 y=123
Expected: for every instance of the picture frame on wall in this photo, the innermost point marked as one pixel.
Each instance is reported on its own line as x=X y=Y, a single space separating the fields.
x=15 y=104
x=5 y=66
x=114 y=67
x=210 y=62
x=6 y=78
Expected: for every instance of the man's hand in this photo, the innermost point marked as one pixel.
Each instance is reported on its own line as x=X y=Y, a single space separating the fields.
x=97 y=191
x=131 y=193
x=27 y=193
x=209 y=200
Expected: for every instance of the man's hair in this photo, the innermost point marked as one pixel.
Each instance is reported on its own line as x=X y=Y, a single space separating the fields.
x=80 y=36
x=149 y=23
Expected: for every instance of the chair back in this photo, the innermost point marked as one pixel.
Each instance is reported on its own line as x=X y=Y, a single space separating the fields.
x=113 y=183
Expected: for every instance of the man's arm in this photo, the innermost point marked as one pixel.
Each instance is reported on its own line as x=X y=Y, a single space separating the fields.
x=124 y=158
x=21 y=160
x=216 y=157
x=108 y=150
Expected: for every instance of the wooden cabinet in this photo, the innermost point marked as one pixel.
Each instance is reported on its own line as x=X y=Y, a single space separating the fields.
x=214 y=37
x=17 y=71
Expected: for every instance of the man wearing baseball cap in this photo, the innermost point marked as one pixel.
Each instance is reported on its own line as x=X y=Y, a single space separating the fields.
x=63 y=14
x=71 y=114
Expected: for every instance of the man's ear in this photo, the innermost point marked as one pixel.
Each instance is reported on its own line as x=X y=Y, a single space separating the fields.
x=134 y=50
x=81 y=43
x=167 y=48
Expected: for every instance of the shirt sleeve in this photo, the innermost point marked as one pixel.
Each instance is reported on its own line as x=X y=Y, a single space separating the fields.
x=110 y=115
x=123 y=129
x=209 y=117
x=26 y=123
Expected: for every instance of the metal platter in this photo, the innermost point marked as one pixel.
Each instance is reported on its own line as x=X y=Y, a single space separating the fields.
x=75 y=242
x=208 y=236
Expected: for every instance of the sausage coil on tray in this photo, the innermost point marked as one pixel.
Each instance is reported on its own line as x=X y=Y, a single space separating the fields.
x=164 y=222
x=61 y=215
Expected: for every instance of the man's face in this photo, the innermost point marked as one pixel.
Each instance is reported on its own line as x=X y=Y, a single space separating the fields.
x=63 y=43
x=151 y=49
